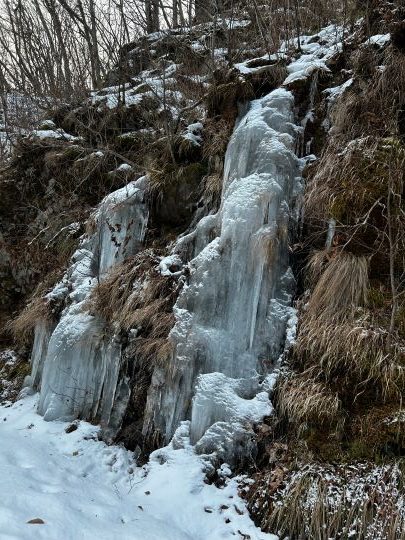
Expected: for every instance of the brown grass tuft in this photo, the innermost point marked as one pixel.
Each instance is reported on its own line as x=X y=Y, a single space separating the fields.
x=342 y=286
x=136 y=296
x=303 y=401
x=322 y=502
x=359 y=354
x=152 y=351
x=22 y=327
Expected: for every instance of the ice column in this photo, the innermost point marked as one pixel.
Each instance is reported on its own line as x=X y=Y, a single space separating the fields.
x=78 y=363
x=231 y=318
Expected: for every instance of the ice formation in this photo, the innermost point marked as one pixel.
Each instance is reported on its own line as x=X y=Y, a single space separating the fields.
x=231 y=318
x=77 y=363
x=234 y=318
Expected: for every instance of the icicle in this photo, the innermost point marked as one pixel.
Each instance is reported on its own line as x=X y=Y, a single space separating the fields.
x=331 y=233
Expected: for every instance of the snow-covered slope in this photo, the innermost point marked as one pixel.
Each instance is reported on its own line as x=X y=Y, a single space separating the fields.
x=83 y=489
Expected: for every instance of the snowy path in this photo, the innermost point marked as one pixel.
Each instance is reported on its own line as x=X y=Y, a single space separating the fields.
x=84 y=490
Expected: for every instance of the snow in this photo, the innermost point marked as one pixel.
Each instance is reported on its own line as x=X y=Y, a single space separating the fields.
x=231 y=24
x=243 y=67
x=124 y=167
x=114 y=96
x=336 y=91
x=83 y=489
x=53 y=134
x=193 y=133
x=317 y=50
x=171 y=261
x=379 y=39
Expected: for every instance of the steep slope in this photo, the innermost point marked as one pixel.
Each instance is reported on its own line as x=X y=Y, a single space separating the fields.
x=173 y=325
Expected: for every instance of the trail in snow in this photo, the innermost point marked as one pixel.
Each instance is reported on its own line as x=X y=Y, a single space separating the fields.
x=83 y=489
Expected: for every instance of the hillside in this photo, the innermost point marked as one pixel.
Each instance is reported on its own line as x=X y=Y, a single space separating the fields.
x=202 y=270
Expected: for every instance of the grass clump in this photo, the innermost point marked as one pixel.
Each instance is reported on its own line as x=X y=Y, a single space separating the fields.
x=135 y=296
x=322 y=502
x=341 y=288
x=303 y=401
x=22 y=327
x=349 y=185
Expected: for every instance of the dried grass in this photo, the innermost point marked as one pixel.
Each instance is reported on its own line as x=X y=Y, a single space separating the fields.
x=223 y=97
x=326 y=502
x=316 y=265
x=212 y=187
x=359 y=354
x=22 y=327
x=216 y=137
x=341 y=288
x=185 y=148
x=339 y=338
x=302 y=401
x=162 y=181
x=373 y=103
x=152 y=352
x=346 y=185
x=135 y=296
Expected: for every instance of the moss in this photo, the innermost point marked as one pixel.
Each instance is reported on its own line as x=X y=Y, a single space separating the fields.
x=359 y=450
x=324 y=446
x=224 y=95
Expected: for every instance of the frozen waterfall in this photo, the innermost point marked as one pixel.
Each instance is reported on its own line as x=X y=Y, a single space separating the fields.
x=77 y=363
x=232 y=317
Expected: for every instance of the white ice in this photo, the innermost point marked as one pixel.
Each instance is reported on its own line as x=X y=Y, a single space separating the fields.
x=231 y=318
x=76 y=364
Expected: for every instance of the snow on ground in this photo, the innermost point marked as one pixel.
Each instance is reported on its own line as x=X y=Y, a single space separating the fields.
x=83 y=489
